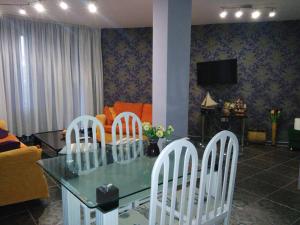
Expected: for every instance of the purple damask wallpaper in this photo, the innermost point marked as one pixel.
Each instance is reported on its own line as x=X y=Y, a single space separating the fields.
x=268 y=56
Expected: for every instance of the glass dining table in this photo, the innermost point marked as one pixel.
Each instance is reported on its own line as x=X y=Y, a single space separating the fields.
x=105 y=187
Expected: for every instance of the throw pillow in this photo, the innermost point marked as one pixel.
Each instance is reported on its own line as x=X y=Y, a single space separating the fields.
x=109 y=117
x=3 y=133
x=9 y=145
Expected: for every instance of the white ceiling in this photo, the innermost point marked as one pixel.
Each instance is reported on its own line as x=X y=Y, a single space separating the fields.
x=138 y=13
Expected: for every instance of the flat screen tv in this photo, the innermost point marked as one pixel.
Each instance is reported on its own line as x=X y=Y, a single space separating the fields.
x=217 y=72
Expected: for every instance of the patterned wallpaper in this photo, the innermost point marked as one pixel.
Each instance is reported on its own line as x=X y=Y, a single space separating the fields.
x=268 y=68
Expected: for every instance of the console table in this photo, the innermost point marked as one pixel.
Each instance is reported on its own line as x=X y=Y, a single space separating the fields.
x=223 y=120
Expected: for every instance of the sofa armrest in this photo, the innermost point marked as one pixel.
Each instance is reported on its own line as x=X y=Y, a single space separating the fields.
x=20 y=156
x=101 y=118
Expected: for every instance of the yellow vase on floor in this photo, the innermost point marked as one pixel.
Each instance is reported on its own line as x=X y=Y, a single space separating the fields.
x=274 y=132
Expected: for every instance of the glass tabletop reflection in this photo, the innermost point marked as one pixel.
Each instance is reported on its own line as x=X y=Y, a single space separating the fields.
x=132 y=178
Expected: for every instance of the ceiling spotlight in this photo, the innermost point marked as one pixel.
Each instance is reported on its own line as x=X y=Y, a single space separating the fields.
x=39 y=7
x=63 y=5
x=22 y=12
x=272 y=13
x=92 y=7
x=255 y=14
x=239 y=14
x=223 y=14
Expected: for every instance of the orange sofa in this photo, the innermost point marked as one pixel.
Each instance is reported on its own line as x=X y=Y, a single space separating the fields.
x=142 y=110
x=21 y=179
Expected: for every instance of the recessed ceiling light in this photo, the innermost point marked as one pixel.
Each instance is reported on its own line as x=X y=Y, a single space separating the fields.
x=255 y=14
x=92 y=7
x=39 y=7
x=63 y=5
x=239 y=14
x=272 y=13
x=223 y=14
x=22 y=12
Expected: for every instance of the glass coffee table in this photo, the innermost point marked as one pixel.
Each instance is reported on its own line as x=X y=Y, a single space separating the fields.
x=105 y=188
x=51 y=142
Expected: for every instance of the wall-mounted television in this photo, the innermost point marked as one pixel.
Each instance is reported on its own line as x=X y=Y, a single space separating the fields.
x=217 y=72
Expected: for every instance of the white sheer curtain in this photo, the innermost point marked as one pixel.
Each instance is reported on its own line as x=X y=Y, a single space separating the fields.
x=49 y=74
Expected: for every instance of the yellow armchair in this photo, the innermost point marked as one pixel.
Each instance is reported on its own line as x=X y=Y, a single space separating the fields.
x=21 y=179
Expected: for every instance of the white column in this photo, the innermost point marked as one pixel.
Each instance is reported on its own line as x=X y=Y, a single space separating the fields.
x=171 y=63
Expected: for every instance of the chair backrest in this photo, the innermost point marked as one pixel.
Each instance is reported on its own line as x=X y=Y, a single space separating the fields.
x=218 y=172
x=176 y=165
x=85 y=150
x=127 y=137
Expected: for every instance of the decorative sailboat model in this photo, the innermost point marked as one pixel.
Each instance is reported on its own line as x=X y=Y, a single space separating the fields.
x=208 y=102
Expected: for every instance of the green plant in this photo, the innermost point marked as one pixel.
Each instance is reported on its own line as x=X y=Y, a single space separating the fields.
x=157 y=132
x=275 y=114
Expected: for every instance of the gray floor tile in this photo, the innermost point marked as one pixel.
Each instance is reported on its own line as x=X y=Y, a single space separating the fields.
x=257 y=187
x=275 y=179
x=259 y=163
x=9 y=210
x=242 y=198
x=264 y=212
x=55 y=194
x=246 y=170
x=287 y=198
x=19 y=219
x=294 y=163
x=48 y=214
x=293 y=187
x=297 y=222
x=285 y=171
x=274 y=158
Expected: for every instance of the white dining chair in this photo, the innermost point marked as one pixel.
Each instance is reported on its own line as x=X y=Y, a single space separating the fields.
x=127 y=137
x=218 y=172
x=176 y=166
x=211 y=206
x=85 y=151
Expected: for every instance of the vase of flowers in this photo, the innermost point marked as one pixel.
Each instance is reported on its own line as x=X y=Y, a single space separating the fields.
x=154 y=134
x=274 y=114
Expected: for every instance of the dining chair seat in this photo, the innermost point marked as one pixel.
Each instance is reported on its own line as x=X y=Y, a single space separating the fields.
x=140 y=215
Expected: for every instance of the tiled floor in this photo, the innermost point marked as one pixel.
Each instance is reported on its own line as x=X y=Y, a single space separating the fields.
x=266 y=193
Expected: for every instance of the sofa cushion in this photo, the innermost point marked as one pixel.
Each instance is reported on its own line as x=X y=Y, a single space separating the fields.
x=136 y=108
x=3 y=133
x=147 y=113
x=110 y=114
x=9 y=145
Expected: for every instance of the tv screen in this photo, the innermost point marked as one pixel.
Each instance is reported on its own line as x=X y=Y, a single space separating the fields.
x=217 y=72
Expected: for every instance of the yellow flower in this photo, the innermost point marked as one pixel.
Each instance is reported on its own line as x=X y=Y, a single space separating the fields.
x=170 y=128
x=159 y=133
x=146 y=126
x=160 y=127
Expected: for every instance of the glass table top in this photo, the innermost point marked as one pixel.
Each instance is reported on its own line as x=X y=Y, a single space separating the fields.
x=132 y=178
